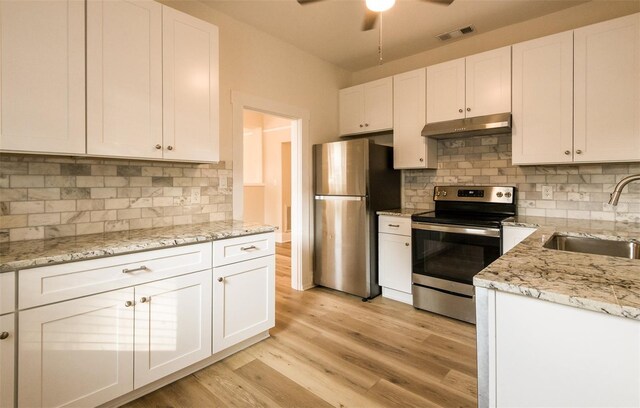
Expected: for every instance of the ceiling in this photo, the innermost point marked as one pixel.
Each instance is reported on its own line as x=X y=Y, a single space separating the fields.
x=330 y=29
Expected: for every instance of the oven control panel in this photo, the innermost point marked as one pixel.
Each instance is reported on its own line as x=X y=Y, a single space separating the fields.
x=485 y=194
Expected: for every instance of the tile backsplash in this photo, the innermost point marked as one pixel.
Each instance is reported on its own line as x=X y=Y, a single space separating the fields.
x=579 y=190
x=51 y=196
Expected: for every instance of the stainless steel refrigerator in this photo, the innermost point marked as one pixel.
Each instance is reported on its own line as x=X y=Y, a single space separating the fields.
x=352 y=180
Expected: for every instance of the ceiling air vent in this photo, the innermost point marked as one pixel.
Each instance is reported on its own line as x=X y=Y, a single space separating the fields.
x=456 y=33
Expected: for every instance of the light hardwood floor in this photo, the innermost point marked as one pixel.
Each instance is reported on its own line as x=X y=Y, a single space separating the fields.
x=331 y=349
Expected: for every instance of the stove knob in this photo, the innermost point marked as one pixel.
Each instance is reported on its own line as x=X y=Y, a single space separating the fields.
x=444 y=193
x=499 y=194
x=507 y=194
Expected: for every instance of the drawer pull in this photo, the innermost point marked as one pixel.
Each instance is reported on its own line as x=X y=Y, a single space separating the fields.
x=129 y=303
x=250 y=248
x=220 y=279
x=142 y=268
x=394 y=225
x=4 y=335
x=145 y=299
x=406 y=244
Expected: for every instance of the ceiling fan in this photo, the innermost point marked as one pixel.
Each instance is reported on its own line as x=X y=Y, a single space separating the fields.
x=375 y=7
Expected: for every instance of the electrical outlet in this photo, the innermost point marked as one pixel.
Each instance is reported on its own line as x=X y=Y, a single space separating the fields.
x=547 y=193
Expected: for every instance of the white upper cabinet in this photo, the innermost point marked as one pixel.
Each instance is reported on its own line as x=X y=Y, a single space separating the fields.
x=488 y=82
x=446 y=91
x=607 y=91
x=42 y=91
x=410 y=149
x=474 y=86
x=367 y=108
x=543 y=100
x=190 y=85
x=124 y=78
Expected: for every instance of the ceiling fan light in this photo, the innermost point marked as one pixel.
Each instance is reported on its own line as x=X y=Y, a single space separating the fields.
x=380 y=5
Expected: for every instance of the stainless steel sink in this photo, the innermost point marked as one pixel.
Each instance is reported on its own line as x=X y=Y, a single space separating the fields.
x=623 y=249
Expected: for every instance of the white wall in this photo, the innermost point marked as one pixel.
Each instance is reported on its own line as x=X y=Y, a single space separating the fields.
x=255 y=63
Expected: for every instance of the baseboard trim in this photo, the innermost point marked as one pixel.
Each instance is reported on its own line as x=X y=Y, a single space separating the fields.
x=397 y=295
x=135 y=394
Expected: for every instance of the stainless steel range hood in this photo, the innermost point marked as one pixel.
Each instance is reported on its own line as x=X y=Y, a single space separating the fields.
x=477 y=126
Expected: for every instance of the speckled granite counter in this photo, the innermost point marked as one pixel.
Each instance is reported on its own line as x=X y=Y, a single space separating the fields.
x=595 y=282
x=27 y=254
x=401 y=212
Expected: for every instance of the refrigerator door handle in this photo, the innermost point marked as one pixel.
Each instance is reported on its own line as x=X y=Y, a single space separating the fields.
x=340 y=198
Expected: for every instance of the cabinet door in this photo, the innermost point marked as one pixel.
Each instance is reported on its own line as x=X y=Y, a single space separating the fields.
x=543 y=100
x=410 y=149
x=190 y=86
x=446 y=91
x=395 y=262
x=76 y=353
x=124 y=78
x=7 y=360
x=352 y=110
x=244 y=301
x=378 y=105
x=551 y=355
x=488 y=82
x=607 y=91
x=42 y=82
x=173 y=325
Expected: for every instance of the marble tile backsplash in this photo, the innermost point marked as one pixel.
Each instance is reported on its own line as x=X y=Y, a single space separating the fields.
x=579 y=190
x=51 y=196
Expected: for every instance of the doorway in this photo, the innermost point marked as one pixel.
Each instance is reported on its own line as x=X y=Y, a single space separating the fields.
x=293 y=215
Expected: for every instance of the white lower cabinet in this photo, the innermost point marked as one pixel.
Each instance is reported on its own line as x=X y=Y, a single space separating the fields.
x=244 y=301
x=172 y=325
x=76 y=353
x=7 y=360
x=512 y=236
x=394 y=258
x=543 y=354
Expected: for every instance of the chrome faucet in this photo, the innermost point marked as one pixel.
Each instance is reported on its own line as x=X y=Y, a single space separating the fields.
x=618 y=189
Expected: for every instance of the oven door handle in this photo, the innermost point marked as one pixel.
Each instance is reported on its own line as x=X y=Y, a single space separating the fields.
x=457 y=229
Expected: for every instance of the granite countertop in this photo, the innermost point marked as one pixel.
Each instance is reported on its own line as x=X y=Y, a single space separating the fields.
x=595 y=282
x=401 y=212
x=27 y=254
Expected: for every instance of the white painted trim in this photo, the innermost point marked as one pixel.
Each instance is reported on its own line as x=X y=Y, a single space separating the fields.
x=275 y=129
x=301 y=181
x=397 y=295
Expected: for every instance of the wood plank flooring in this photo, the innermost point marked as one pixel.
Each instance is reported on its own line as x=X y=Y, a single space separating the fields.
x=331 y=349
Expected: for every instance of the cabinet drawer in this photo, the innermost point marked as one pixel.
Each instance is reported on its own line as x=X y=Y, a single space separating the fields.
x=228 y=251
x=394 y=225
x=56 y=283
x=7 y=292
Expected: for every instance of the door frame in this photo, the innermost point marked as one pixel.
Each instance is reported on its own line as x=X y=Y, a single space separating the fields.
x=301 y=256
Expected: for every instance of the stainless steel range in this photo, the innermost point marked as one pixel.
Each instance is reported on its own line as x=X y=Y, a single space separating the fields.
x=453 y=243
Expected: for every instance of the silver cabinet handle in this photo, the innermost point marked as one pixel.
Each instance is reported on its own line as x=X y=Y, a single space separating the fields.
x=249 y=248
x=169 y=147
x=468 y=109
x=460 y=110
x=141 y=268
x=421 y=159
x=220 y=279
x=128 y=303
x=145 y=299
x=394 y=225
x=579 y=151
x=361 y=125
x=158 y=146
x=4 y=335
x=406 y=244
x=567 y=152
x=366 y=125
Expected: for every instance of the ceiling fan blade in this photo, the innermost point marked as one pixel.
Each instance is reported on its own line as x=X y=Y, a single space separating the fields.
x=443 y=2
x=369 y=20
x=303 y=2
